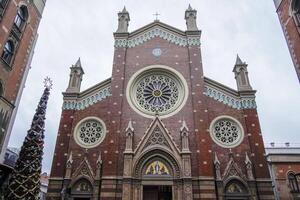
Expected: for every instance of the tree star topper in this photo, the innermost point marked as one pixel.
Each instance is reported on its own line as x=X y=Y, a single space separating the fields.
x=48 y=83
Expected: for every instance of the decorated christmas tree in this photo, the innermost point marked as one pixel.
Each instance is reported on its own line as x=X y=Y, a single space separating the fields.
x=24 y=182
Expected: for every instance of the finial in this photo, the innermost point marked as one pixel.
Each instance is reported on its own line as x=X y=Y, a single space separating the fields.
x=124 y=10
x=238 y=60
x=70 y=159
x=99 y=160
x=184 y=126
x=48 y=83
x=78 y=63
x=216 y=160
x=190 y=7
x=247 y=160
x=129 y=126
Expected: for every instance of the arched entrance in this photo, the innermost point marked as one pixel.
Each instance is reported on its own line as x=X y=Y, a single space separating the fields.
x=235 y=189
x=157 y=180
x=158 y=173
x=82 y=189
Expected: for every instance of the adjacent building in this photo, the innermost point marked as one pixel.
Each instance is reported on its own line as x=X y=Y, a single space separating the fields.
x=284 y=165
x=19 y=21
x=159 y=128
x=289 y=16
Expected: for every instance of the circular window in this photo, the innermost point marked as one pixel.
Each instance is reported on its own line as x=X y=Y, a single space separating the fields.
x=226 y=132
x=157 y=89
x=90 y=132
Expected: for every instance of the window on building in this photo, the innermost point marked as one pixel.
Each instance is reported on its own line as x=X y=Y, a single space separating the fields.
x=294 y=182
x=21 y=17
x=296 y=11
x=8 y=52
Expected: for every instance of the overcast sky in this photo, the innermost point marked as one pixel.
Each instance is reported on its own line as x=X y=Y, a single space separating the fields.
x=75 y=28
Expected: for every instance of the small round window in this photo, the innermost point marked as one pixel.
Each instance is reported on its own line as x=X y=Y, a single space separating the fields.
x=90 y=132
x=226 y=132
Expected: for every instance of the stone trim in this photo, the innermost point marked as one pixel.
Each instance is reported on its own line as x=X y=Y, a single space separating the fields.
x=228 y=96
x=157 y=32
x=88 y=97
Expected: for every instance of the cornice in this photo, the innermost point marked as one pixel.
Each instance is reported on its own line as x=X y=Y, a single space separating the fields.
x=97 y=93
x=229 y=96
x=157 y=29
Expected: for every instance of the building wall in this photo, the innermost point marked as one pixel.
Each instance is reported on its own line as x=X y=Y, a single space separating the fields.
x=281 y=161
x=13 y=75
x=198 y=113
x=291 y=30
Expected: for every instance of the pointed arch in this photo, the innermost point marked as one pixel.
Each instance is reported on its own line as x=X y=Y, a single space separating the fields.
x=236 y=188
x=82 y=186
x=153 y=155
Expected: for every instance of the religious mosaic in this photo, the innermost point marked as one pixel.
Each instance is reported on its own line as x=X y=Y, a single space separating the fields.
x=157 y=168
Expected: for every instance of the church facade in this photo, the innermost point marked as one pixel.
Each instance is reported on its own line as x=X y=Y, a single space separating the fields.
x=158 y=128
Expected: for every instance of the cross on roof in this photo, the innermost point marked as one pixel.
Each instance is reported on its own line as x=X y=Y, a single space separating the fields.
x=156 y=15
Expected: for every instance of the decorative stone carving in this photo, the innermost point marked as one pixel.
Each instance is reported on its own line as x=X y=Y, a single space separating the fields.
x=184 y=138
x=157 y=138
x=84 y=169
x=69 y=166
x=165 y=34
x=83 y=102
x=129 y=138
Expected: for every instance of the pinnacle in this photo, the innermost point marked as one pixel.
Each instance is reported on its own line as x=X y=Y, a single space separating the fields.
x=190 y=7
x=129 y=127
x=238 y=60
x=184 y=126
x=78 y=63
x=124 y=10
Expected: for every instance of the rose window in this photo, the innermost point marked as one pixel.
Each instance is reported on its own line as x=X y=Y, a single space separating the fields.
x=226 y=132
x=157 y=91
x=90 y=133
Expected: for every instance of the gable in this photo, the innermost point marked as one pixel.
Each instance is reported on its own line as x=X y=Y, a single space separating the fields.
x=157 y=29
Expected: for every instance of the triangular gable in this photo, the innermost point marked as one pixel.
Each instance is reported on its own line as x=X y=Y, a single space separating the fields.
x=157 y=29
x=233 y=169
x=84 y=169
x=156 y=136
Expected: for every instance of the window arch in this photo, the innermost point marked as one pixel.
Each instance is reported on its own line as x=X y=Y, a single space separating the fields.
x=8 y=51
x=235 y=189
x=294 y=181
x=82 y=187
x=21 y=17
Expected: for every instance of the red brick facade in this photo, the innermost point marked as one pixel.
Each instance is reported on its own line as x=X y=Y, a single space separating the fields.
x=289 y=16
x=118 y=176
x=13 y=72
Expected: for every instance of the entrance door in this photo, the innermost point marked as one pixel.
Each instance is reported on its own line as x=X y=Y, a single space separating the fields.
x=154 y=192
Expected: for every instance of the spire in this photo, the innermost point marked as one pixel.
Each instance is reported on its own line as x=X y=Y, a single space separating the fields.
x=241 y=75
x=24 y=182
x=124 y=19
x=124 y=10
x=216 y=160
x=78 y=63
x=190 y=17
x=76 y=75
x=238 y=60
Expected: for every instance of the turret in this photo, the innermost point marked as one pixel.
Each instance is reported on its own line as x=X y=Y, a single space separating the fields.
x=123 y=21
x=241 y=75
x=75 y=78
x=190 y=17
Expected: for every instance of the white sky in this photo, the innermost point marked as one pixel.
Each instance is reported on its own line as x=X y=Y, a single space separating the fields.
x=75 y=28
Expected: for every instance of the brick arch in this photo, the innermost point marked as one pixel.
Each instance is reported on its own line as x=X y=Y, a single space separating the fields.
x=240 y=190
x=82 y=185
x=158 y=153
